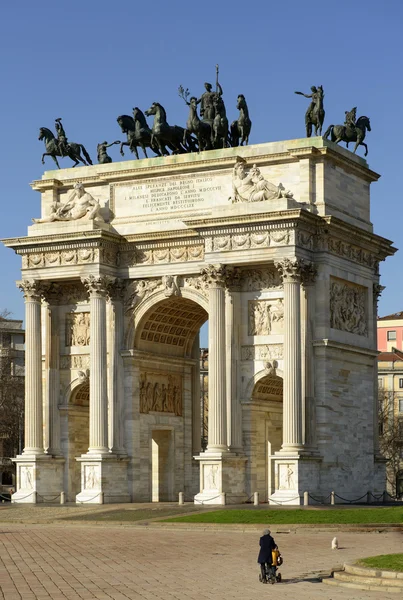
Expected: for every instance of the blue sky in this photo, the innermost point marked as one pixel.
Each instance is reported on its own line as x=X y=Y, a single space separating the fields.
x=92 y=61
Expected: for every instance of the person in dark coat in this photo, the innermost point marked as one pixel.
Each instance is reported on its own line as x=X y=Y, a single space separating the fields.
x=267 y=545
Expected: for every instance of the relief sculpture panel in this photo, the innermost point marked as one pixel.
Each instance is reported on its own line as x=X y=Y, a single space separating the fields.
x=78 y=329
x=348 y=307
x=265 y=317
x=161 y=392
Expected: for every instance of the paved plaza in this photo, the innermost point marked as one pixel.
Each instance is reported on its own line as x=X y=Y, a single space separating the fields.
x=76 y=561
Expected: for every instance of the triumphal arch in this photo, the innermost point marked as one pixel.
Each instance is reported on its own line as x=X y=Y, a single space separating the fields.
x=273 y=245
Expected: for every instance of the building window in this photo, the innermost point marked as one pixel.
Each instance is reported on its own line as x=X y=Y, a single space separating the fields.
x=401 y=382
x=401 y=405
x=391 y=336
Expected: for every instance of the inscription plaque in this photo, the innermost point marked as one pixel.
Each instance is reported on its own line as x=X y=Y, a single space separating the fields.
x=172 y=195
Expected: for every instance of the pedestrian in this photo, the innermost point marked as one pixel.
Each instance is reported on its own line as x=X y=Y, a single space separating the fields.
x=267 y=545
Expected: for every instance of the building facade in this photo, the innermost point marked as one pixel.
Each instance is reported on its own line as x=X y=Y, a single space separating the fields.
x=272 y=244
x=12 y=359
x=390 y=389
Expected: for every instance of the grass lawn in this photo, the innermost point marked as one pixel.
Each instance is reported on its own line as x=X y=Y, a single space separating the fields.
x=140 y=514
x=386 y=562
x=297 y=516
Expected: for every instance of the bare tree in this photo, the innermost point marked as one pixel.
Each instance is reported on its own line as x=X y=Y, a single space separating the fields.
x=11 y=399
x=390 y=436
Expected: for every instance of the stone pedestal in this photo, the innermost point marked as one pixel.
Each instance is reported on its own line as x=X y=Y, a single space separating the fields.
x=39 y=479
x=221 y=473
x=294 y=475
x=105 y=475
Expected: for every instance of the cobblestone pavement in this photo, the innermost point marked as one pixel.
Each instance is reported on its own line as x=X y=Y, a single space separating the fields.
x=81 y=562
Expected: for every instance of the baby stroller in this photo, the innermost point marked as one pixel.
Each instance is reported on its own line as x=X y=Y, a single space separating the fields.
x=272 y=576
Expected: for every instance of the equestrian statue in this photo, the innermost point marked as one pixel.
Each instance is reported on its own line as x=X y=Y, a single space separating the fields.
x=138 y=133
x=315 y=115
x=60 y=146
x=352 y=131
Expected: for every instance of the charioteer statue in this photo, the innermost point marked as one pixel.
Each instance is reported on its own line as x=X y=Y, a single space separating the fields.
x=315 y=114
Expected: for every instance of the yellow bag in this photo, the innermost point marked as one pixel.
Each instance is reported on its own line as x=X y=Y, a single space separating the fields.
x=274 y=556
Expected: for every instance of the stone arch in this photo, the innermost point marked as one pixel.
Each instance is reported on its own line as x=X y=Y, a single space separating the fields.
x=262 y=428
x=76 y=405
x=258 y=377
x=169 y=322
x=73 y=388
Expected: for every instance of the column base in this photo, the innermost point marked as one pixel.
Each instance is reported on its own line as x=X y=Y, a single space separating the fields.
x=39 y=479
x=294 y=475
x=221 y=473
x=103 y=479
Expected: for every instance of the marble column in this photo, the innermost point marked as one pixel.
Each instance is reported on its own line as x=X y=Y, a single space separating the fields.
x=115 y=368
x=309 y=273
x=234 y=411
x=97 y=288
x=52 y=296
x=33 y=368
x=290 y=270
x=196 y=398
x=215 y=276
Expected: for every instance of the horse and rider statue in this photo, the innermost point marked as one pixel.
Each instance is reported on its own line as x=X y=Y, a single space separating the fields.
x=353 y=130
x=60 y=146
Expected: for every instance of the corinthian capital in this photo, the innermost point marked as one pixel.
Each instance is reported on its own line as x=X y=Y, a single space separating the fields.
x=291 y=270
x=31 y=289
x=217 y=275
x=98 y=286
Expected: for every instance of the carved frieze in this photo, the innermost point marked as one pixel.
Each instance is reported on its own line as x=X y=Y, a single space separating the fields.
x=348 y=307
x=169 y=254
x=250 y=239
x=262 y=352
x=77 y=332
x=161 y=392
x=106 y=254
x=75 y=362
x=73 y=293
x=265 y=317
x=260 y=279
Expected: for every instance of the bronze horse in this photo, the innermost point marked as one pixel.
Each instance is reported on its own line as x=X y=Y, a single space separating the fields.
x=164 y=134
x=240 y=129
x=341 y=133
x=138 y=133
x=53 y=149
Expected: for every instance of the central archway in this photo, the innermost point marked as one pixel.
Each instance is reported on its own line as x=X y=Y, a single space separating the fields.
x=167 y=395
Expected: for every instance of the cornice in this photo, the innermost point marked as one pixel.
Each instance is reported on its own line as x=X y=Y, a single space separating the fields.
x=47 y=241
x=326 y=343
x=209 y=160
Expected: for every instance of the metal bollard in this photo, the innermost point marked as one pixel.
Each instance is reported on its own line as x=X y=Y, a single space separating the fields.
x=223 y=498
x=368 y=497
x=385 y=497
x=101 y=497
x=181 y=498
x=35 y=497
x=306 y=498
x=256 y=498
x=62 y=498
x=332 y=499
